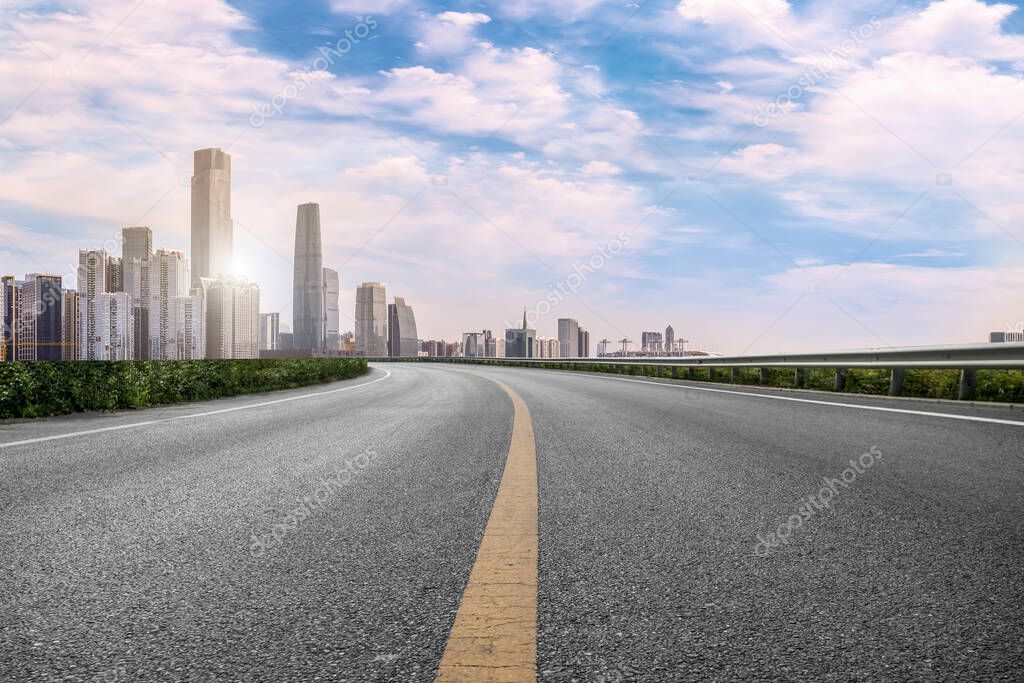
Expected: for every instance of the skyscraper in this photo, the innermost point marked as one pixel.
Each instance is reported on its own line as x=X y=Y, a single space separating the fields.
x=520 y=343
x=94 y=333
x=39 y=330
x=402 y=336
x=332 y=316
x=246 y=320
x=308 y=286
x=191 y=326
x=232 y=318
x=136 y=243
x=212 y=232
x=568 y=338
x=167 y=275
x=371 y=320
x=270 y=329
x=474 y=345
x=115 y=274
x=584 y=344
x=106 y=327
x=8 y=319
x=71 y=322
x=670 y=339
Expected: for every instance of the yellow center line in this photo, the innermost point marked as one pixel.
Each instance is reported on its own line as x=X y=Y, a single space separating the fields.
x=494 y=637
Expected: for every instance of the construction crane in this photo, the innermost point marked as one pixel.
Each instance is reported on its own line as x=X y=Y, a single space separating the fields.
x=682 y=345
x=602 y=347
x=625 y=345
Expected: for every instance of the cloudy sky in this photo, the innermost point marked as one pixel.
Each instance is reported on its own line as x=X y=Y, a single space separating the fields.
x=780 y=176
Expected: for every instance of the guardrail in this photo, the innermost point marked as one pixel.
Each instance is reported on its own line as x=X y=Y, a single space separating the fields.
x=967 y=358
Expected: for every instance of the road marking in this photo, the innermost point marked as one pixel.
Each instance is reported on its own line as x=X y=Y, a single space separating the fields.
x=494 y=637
x=190 y=416
x=951 y=416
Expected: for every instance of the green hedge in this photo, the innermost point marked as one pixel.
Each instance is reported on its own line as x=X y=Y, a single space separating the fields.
x=39 y=389
x=993 y=385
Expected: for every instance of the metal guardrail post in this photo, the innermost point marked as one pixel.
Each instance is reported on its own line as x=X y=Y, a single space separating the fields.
x=799 y=378
x=968 y=384
x=691 y=373
x=711 y=374
x=840 y=384
x=765 y=376
x=735 y=376
x=896 y=381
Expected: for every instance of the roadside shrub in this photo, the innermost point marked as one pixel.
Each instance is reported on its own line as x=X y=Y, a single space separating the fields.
x=39 y=389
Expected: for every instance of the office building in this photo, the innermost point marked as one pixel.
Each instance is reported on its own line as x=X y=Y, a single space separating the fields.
x=115 y=274
x=332 y=315
x=371 y=320
x=136 y=244
x=474 y=345
x=71 y=323
x=270 y=329
x=402 y=339
x=308 y=286
x=106 y=327
x=650 y=342
x=568 y=337
x=584 y=344
x=670 y=339
x=519 y=343
x=38 y=331
x=8 y=318
x=212 y=231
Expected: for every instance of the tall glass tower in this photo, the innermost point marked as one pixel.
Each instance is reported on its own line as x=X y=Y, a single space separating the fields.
x=308 y=293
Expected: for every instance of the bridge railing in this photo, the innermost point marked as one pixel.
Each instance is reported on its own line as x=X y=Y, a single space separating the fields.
x=968 y=359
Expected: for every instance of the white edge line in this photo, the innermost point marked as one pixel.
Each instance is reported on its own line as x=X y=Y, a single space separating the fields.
x=856 y=406
x=387 y=374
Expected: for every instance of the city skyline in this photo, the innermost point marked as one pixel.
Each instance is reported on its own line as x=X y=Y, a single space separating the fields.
x=747 y=225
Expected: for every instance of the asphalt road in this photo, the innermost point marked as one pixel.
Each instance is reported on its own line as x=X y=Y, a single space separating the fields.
x=331 y=537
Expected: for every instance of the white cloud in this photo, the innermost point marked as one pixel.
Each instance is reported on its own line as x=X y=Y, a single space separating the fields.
x=450 y=32
x=599 y=168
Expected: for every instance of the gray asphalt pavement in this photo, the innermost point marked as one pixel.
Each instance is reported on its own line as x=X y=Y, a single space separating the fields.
x=331 y=537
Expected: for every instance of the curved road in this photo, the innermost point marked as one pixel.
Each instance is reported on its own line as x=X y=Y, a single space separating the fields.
x=329 y=533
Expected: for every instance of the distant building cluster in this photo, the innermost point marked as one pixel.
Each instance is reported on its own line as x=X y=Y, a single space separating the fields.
x=143 y=304
x=652 y=344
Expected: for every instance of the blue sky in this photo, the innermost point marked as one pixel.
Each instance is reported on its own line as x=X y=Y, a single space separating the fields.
x=787 y=175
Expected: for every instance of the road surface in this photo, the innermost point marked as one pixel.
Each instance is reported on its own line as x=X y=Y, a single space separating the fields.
x=330 y=533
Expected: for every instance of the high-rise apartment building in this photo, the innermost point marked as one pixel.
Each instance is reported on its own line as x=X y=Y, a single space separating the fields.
x=168 y=283
x=270 y=331
x=371 y=320
x=246 y=320
x=232 y=318
x=106 y=327
x=115 y=274
x=308 y=285
x=71 y=322
x=568 y=337
x=191 y=326
x=212 y=231
x=548 y=348
x=332 y=315
x=402 y=339
x=670 y=339
x=101 y=322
